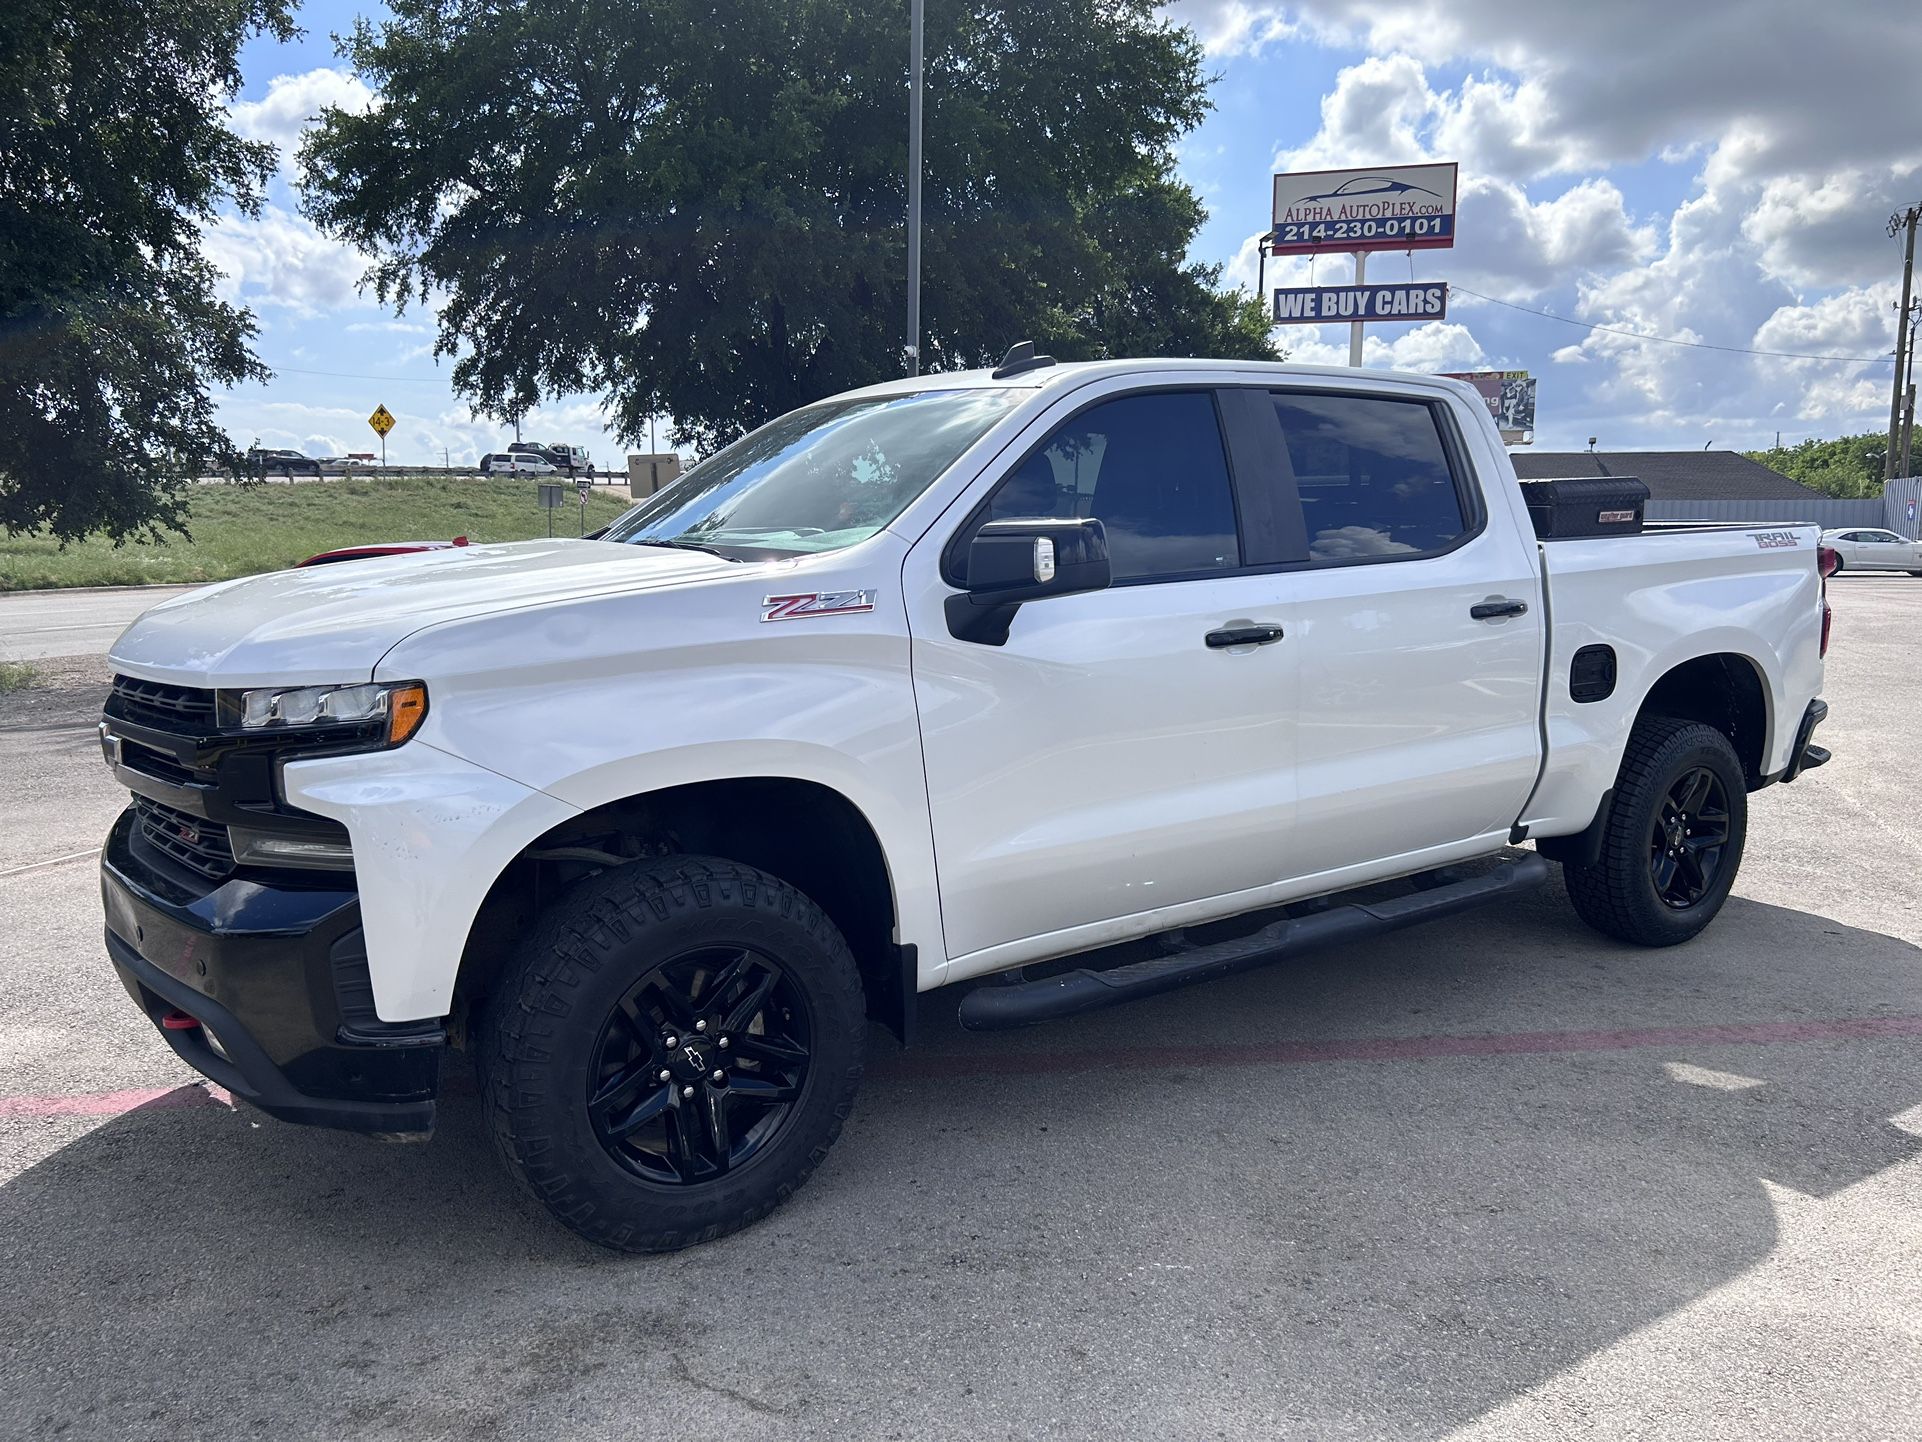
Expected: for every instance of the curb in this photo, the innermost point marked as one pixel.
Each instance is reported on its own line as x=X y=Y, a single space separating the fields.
x=104 y=590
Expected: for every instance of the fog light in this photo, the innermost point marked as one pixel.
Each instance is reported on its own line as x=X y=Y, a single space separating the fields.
x=260 y=848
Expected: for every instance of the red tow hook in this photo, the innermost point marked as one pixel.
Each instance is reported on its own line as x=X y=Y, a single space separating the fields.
x=178 y=1020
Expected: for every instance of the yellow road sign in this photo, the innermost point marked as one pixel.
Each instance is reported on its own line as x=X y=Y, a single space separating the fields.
x=382 y=420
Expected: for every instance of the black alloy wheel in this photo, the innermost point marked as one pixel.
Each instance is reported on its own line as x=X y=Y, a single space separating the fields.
x=1689 y=838
x=699 y=1066
x=672 y=1050
x=1671 y=837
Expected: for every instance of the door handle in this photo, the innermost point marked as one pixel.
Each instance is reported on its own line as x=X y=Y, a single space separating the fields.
x=1243 y=636
x=1497 y=608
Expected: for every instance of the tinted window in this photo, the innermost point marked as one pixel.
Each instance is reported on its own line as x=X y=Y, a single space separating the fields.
x=1373 y=474
x=1151 y=468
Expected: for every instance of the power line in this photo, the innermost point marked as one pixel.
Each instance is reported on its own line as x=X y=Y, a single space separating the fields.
x=1671 y=340
x=442 y=381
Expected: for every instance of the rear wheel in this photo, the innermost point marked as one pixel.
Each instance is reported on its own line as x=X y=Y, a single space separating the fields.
x=673 y=1052
x=1673 y=838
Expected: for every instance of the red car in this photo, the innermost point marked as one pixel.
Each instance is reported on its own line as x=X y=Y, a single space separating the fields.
x=385 y=548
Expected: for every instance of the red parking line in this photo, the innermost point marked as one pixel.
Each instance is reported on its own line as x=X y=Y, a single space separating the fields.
x=914 y=1066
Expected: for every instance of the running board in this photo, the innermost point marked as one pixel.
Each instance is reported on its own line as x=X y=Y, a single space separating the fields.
x=989 y=1008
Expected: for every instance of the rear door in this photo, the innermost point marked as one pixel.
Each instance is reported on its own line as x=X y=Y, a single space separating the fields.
x=1419 y=620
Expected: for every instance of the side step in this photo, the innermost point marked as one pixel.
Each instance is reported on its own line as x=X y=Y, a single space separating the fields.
x=989 y=1008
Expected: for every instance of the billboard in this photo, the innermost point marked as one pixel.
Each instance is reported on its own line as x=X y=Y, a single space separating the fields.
x=1389 y=207
x=1510 y=396
x=1397 y=300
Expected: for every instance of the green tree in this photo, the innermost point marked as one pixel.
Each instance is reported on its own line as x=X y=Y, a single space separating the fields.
x=1849 y=466
x=114 y=150
x=697 y=209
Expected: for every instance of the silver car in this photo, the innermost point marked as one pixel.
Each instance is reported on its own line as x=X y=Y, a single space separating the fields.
x=1870 y=548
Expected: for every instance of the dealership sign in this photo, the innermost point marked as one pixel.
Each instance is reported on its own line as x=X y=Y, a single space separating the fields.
x=1390 y=207
x=1398 y=300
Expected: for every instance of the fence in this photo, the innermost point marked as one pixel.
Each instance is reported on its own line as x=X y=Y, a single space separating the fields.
x=1822 y=511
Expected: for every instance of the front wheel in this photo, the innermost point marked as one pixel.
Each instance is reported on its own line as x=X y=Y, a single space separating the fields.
x=1673 y=839
x=673 y=1051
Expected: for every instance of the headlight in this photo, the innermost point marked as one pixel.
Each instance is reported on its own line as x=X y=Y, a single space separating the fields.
x=399 y=705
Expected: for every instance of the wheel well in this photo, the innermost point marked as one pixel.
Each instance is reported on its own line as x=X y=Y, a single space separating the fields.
x=809 y=835
x=1723 y=691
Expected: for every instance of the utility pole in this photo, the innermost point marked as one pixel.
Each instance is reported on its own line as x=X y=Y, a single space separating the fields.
x=915 y=9
x=1902 y=220
x=1908 y=419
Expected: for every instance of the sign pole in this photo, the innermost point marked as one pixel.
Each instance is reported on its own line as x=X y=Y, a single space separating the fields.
x=1354 y=327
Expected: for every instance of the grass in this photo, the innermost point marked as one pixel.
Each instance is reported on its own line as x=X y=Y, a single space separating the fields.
x=17 y=676
x=241 y=530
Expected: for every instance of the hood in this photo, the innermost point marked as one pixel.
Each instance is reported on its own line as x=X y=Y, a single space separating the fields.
x=334 y=623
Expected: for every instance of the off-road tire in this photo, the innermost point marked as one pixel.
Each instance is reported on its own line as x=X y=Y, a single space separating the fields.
x=545 y=1021
x=1618 y=895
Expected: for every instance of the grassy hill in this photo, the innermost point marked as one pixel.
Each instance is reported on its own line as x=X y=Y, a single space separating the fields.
x=239 y=530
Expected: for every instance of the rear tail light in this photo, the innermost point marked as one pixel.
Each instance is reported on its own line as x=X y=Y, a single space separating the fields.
x=1826 y=560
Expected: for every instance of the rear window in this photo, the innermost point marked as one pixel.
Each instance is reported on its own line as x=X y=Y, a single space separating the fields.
x=1374 y=476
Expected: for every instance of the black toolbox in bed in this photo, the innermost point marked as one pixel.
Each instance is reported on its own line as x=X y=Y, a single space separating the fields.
x=1586 y=506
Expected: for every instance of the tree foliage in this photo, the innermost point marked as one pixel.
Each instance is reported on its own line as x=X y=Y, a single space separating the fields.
x=1849 y=466
x=114 y=150
x=698 y=209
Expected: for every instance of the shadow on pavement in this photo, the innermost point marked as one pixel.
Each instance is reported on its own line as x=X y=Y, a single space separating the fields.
x=1341 y=1249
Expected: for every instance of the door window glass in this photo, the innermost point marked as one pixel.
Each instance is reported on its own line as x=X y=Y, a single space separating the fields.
x=1373 y=474
x=1152 y=468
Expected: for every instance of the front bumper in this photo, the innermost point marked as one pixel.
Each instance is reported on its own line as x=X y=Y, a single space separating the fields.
x=275 y=975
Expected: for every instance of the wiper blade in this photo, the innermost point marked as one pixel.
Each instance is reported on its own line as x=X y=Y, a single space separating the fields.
x=687 y=546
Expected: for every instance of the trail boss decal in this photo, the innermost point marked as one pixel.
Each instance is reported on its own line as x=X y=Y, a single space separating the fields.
x=1770 y=540
x=816 y=603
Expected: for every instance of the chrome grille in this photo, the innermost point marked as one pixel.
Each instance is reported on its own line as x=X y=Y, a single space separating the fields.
x=195 y=843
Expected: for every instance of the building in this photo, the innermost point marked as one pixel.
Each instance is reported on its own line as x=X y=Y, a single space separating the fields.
x=1672 y=476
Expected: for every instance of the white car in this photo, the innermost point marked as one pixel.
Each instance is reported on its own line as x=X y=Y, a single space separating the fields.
x=919 y=685
x=1870 y=548
x=519 y=463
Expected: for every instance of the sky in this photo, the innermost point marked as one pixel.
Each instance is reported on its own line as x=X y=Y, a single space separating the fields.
x=1718 y=172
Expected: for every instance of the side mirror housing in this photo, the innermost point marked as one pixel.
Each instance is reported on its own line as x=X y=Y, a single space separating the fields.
x=1016 y=561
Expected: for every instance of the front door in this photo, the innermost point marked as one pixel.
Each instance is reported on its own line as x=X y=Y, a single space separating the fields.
x=1107 y=763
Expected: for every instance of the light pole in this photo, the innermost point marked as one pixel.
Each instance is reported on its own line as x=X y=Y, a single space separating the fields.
x=914 y=186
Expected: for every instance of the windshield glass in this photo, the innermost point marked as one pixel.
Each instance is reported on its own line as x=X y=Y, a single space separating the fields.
x=816 y=479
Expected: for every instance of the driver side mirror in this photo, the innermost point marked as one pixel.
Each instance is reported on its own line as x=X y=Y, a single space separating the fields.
x=1015 y=561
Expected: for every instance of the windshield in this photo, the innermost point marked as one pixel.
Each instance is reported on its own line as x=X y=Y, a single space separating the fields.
x=816 y=479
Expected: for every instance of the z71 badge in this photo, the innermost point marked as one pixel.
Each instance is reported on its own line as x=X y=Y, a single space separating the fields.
x=816 y=603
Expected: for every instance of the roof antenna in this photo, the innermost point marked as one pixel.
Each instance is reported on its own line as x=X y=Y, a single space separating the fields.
x=1021 y=357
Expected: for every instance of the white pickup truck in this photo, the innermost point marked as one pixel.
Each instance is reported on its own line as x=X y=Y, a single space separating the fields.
x=1090 y=680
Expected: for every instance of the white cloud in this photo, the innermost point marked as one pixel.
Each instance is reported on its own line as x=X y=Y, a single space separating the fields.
x=291 y=104
x=1829 y=228
x=278 y=259
x=1620 y=81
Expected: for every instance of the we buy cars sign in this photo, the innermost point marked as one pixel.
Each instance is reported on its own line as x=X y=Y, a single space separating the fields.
x=1389 y=207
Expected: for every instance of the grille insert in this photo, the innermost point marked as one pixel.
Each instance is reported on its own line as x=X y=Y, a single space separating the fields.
x=183 y=710
x=195 y=843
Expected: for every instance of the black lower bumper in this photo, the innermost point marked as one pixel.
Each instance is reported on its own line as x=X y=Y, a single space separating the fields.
x=262 y=987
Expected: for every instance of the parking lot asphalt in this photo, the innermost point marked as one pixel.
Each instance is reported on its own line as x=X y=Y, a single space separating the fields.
x=1496 y=1178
